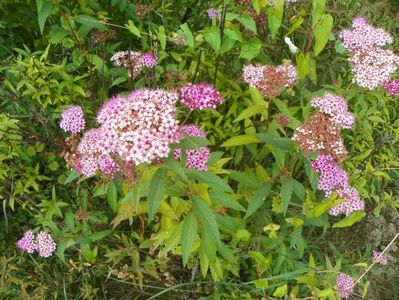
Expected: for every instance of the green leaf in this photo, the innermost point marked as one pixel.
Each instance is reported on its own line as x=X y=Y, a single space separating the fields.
x=322 y=32
x=157 y=190
x=225 y=200
x=240 y=140
x=350 y=220
x=280 y=143
x=132 y=28
x=275 y=16
x=251 y=49
x=317 y=11
x=71 y=177
x=287 y=187
x=162 y=37
x=234 y=33
x=280 y=291
x=209 y=227
x=249 y=112
x=210 y=179
x=248 y=22
x=44 y=9
x=193 y=142
x=302 y=62
x=112 y=196
x=188 y=236
x=125 y=211
x=90 y=23
x=212 y=36
x=176 y=167
x=188 y=36
x=258 y=198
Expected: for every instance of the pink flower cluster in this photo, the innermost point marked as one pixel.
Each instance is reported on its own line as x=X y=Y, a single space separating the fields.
x=213 y=13
x=383 y=260
x=195 y=158
x=200 y=96
x=148 y=60
x=336 y=108
x=134 y=61
x=133 y=130
x=72 y=119
x=344 y=285
x=371 y=64
x=43 y=243
x=94 y=156
x=392 y=87
x=270 y=80
x=333 y=178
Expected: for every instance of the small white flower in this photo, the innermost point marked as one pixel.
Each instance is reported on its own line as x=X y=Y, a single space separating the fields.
x=292 y=47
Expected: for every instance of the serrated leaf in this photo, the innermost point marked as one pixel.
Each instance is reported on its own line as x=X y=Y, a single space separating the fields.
x=258 y=198
x=209 y=227
x=322 y=32
x=157 y=191
x=240 y=140
x=162 y=37
x=90 y=22
x=248 y=22
x=188 y=236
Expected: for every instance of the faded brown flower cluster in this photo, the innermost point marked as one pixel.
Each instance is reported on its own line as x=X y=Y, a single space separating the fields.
x=142 y=10
x=69 y=151
x=320 y=134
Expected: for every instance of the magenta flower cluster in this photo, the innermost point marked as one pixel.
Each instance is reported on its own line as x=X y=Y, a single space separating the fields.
x=200 y=96
x=72 y=119
x=344 y=285
x=195 y=158
x=43 y=243
x=334 y=178
x=371 y=64
x=336 y=108
x=383 y=260
x=148 y=60
x=392 y=87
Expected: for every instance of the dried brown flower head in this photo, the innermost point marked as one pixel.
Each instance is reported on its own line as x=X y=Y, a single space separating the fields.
x=320 y=134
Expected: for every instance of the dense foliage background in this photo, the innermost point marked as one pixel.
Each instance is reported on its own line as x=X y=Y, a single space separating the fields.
x=254 y=225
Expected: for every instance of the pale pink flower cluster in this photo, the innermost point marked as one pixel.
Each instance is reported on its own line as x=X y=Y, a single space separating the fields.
x=93 y=155
x=383 y=260
x=72 y=119
x=333 y=178
x=344 y=285
x=213 y=13
x=392 y=87
x=43 y=243
x=200 y=96
x=270 y=80
x=134 y=129
x=336 y=108
x=253 y=74
x=371 y=64
x=195 y=158
x=134 y=61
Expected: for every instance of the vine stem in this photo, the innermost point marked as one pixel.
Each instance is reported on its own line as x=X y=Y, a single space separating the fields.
x=375 y=261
